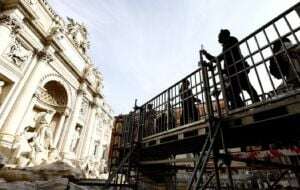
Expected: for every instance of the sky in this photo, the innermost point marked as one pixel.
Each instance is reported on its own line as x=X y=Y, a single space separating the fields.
x=144 y=46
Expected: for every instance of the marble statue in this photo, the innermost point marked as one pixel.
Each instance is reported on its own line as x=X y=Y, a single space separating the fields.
x=43 y=141
x=78 y=33
x=34 y=145
x=75 y=139
x=31 y=84
x=22 y=149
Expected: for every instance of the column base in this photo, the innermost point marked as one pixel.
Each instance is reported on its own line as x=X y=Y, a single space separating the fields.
x=6 y=143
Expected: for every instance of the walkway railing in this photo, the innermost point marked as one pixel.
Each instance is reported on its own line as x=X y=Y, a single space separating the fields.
x=262 y=67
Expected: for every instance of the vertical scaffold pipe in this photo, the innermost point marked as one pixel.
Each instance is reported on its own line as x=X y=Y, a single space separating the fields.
x=211 y=116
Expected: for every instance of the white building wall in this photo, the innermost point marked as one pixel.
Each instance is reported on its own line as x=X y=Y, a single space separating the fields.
x=43 y=51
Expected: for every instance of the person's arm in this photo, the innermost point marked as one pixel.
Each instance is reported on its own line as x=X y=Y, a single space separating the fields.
x=194 y=97
x=211 y=57
x=208 y=55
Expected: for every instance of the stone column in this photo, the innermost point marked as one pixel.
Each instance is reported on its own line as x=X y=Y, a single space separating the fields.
x=84 y=131
x=84 y=151
x=23 y=100
x=70 y=129
x=29 y=107
x=10 y=25
x=60 y=126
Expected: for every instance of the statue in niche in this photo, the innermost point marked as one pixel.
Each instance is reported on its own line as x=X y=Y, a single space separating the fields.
x=75 y=139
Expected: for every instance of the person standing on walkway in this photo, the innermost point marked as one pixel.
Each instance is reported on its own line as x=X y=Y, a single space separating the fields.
x=235 y=69
x=190 y=112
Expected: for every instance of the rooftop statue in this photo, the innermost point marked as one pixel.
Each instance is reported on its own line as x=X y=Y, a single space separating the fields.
x=79 y=35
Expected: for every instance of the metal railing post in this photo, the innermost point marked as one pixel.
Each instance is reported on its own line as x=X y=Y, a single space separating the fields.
x=211 y=117
x=206 y=88
x=168 y=110
x=225 y=98
x=297 y=9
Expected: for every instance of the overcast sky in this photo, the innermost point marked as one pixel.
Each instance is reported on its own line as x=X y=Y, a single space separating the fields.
x=144 y=46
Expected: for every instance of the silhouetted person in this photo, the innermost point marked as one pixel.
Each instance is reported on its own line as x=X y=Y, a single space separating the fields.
x=171 y=115
x=233 y=63
x=149 y=120
x=189 y=109
x=162 y=121
x=281 y=67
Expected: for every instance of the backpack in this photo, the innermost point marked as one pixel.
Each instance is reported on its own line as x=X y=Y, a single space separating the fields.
x=281 y=62
x=283 y=66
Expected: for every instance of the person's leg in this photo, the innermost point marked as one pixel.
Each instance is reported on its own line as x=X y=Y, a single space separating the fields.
x=235 y=94
x=238 y=100
x=293 y=73
x=195 y=113
x=252 y=93
x=191 y=110
x=246 y=85
x=185 y=113
x=182 y=114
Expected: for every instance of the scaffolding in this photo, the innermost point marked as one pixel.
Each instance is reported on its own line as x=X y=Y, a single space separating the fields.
x=235 y=120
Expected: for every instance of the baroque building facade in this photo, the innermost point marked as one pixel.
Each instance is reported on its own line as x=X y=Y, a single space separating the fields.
x=51 y=95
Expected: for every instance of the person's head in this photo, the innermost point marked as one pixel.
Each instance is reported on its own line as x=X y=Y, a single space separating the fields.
x=149 y=107
x=277 y=45
x=185 y=83
x=224 y=35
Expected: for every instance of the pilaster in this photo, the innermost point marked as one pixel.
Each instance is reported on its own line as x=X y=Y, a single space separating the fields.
x=87 y=139
x=69 y=130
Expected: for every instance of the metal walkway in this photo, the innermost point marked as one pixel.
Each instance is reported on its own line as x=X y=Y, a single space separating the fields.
x=212 y=112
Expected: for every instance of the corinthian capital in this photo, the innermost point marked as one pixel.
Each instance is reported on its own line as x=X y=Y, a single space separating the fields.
x=10 y=22
x=45 y=56
x=82 y=88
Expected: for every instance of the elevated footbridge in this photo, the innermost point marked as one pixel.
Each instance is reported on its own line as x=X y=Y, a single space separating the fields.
x=212 y=116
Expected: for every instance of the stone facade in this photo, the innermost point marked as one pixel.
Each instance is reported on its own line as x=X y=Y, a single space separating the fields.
x=51 y=95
